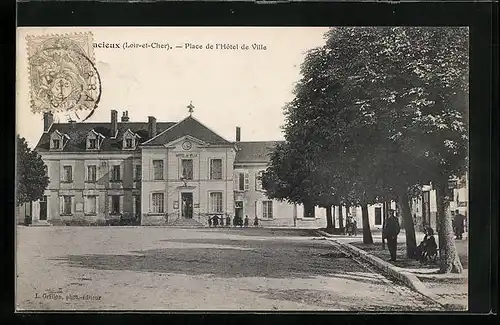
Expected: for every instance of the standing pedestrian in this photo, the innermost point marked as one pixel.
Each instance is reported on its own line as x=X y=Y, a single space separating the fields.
x=246 y=221
x=458 y=224
x=228 y=221
x=216 y=221
x=391 y=232
x=256 y=221
x=209 y=221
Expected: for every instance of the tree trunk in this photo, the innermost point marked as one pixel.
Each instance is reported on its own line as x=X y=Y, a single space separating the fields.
x=367 y=233
x=411 y=242
x=341 y=218
x=329 y=220
x=332 y=208
x=449 y=260
x=384 y=218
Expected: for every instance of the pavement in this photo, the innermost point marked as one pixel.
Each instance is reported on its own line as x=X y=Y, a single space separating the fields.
x=448 y=290
x=150 y=268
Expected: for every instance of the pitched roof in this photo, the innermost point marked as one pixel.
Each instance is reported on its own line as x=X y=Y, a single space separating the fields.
x=188 y=126
x=255 y=152
x=77 y=133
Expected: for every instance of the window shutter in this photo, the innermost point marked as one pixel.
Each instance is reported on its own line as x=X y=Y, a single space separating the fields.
x=61 y=204
x=236 y=176
x=259 y=207
x=247 y=182
x=73 y=203
x=86 y=204
x=97 y=204
x=109 y=204
x=256 y=208
x=121 y=204
x=134 y=198
x=61 y=173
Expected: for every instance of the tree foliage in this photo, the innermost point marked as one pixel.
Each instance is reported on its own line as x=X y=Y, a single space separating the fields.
x=32 y=179
x=377 y=112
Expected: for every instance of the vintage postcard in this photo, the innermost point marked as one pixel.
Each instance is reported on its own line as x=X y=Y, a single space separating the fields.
x=242 y=168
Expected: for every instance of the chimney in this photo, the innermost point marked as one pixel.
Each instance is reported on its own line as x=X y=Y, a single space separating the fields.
x=114 y=123
x=151 y=126
x=48 y=119
x=238 y=134
x=125 y=116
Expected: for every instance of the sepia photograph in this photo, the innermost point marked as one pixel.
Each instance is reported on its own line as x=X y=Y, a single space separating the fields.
x=242 y=169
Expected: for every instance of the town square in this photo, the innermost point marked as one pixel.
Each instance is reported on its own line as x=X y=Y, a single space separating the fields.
x=328 y=173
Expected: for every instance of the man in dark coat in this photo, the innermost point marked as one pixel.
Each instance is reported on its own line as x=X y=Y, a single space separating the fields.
x=391 y=232
x=246 y=221
x=458 y=224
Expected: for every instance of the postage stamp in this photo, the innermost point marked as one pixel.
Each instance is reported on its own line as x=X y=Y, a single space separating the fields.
x=62 y=74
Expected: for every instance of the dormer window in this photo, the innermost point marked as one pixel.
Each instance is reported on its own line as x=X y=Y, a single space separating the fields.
x=94 y=140
x=58 y=140
x=130 y=140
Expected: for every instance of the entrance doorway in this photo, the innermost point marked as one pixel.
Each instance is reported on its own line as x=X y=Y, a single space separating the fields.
x=187 y=205
x=43 y=208
x=238 y=210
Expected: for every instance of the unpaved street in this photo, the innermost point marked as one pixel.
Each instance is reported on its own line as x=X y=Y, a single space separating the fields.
x=149 y=268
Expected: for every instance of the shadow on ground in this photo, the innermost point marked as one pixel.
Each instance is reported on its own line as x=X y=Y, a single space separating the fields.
x=271 y=258
x=269 y=232
x=405 y=262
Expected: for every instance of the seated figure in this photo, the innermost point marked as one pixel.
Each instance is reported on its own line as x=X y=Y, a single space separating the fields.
x=427 y=249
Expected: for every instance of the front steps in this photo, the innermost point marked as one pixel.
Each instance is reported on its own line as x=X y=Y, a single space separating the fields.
x=185 y=223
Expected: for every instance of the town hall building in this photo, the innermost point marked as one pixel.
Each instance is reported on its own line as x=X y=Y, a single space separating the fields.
x=159 y=173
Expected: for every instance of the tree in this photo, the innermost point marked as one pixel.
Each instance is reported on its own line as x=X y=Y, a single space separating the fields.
x=32 y=179
x=384 y=108
x=412 y=82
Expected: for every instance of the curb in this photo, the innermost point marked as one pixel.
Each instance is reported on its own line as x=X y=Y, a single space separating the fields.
x=408 y=279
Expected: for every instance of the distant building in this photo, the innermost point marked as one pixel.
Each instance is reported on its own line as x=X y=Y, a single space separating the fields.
x=424 y=209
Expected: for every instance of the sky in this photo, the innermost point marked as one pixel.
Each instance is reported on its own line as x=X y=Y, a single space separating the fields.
x=229 y=88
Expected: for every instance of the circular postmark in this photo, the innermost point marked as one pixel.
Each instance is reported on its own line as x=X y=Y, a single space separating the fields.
x=64 y=79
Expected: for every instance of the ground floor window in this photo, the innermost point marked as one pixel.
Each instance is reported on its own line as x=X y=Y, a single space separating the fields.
x=66 y=205
x=115 y=204
x=267 y=209
x=91 y=205
x=378 y=216
x=215 y=202
x=158 y=204
x=308 y=210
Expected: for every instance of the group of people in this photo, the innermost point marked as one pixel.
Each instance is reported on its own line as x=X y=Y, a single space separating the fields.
x=216 y=221
x=427 y=250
